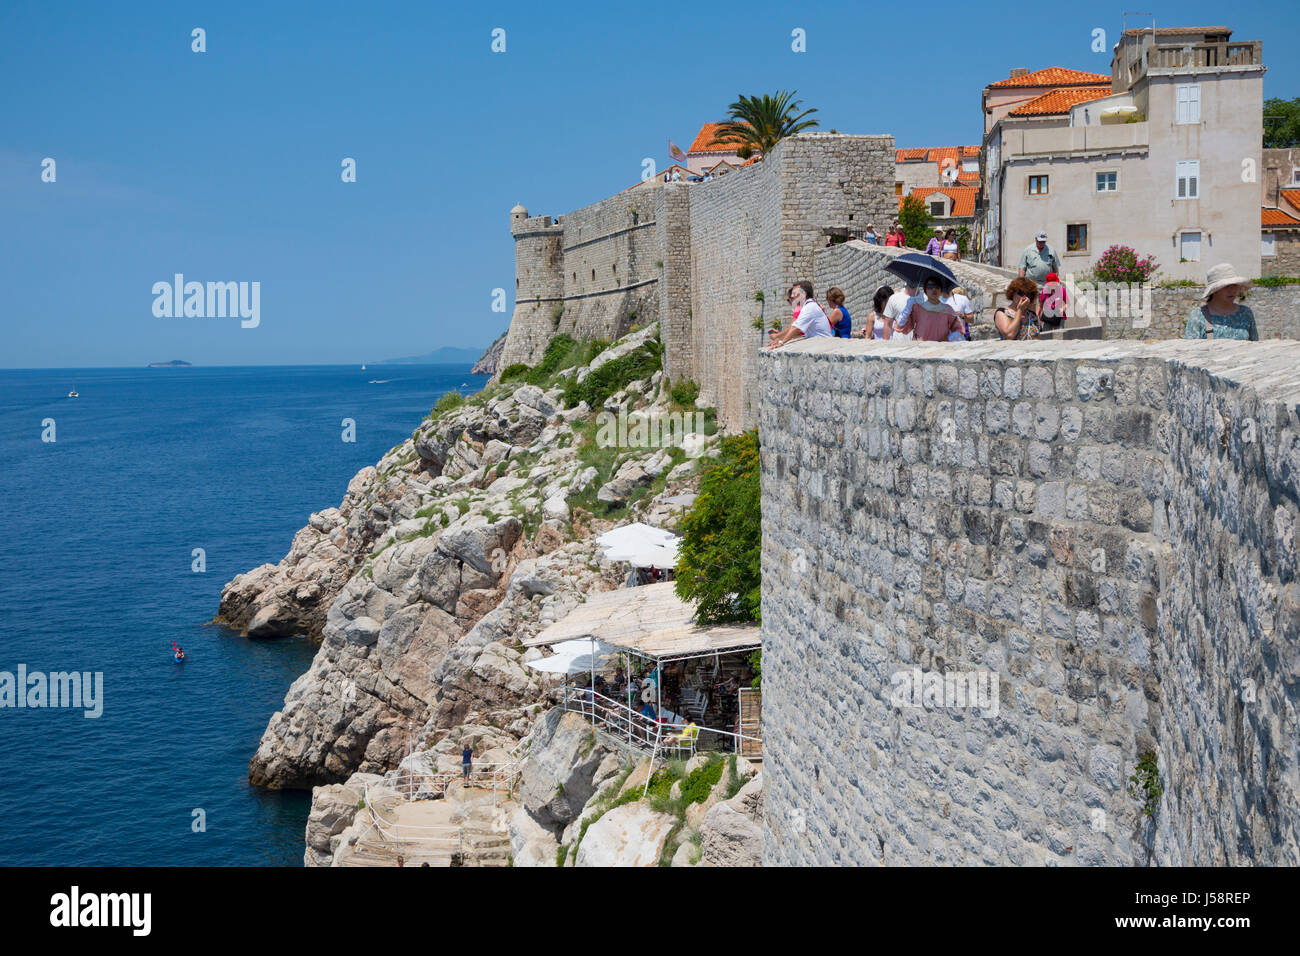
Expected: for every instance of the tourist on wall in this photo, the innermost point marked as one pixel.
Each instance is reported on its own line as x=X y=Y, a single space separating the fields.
x=1051 y=303
x=809 y=319
x=935 y=246
x=1020 y=321
x=928 y=316
x=895 y=236
x=960 y=302
x=1039 y=259
x=840 y=321
x=878 y=327
x=870 y=236
x=950 y=248
x=894 y=309
x=1220 y=315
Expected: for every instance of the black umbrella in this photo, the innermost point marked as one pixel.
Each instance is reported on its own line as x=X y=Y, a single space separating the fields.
x=915 y=267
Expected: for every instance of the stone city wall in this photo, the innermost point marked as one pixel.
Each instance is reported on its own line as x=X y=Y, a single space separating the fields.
x=693 y=255
x=1106 y=528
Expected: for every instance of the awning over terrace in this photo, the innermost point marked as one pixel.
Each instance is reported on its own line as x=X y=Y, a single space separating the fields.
x=651 y=621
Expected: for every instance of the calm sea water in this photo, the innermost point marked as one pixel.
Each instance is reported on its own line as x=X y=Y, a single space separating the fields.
x=96 y=575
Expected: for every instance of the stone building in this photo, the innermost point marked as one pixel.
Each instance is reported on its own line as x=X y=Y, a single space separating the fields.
x=1151 y=157
x=1279 y=246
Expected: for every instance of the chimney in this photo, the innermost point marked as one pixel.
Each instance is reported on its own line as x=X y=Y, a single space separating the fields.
x=1018 y=71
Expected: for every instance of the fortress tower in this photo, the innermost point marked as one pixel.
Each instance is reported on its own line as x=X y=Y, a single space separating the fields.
x=539 y=285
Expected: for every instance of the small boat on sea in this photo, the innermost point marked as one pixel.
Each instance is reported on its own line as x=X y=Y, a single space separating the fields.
x=363 y=368
x=74 y=393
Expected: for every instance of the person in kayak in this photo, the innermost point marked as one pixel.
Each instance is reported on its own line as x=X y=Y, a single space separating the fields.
x=180 y=654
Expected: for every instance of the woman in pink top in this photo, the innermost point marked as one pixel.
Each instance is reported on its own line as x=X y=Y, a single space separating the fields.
x=932 y=319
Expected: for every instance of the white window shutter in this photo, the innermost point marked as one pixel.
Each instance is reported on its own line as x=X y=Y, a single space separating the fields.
x=1194 y=103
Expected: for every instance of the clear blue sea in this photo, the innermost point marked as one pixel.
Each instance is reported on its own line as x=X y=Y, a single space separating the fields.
x=95 y=575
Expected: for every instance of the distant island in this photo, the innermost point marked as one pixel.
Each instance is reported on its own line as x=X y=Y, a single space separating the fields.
x=447 y=355
x=174 y=363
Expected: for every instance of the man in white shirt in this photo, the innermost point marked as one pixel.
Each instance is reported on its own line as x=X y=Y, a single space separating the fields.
x=960 y=303
x=894 y=309
x=810 y=320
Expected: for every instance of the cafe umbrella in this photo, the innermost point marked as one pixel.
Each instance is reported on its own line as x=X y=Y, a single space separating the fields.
x=915 y=267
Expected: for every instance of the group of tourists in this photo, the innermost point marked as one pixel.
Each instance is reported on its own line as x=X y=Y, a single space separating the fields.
x=924 y=312
x=931 y=309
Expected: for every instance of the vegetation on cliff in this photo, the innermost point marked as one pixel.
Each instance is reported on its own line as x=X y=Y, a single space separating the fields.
x=719 y=561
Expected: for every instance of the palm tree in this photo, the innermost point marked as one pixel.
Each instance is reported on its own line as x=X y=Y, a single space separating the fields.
x=758 y=123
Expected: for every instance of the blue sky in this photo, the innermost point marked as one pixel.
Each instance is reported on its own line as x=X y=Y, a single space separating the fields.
x=225 y=165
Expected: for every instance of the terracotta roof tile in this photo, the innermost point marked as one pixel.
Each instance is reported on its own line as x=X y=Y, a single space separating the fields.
x=1060 y=101
x=1292 y=196
x=1276 y=217
x=963 y=197
x=1053 y=76
x=706 y=141
x=935 y=154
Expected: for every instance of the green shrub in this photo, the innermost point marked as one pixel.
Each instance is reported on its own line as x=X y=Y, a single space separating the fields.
x=685 y=393
x=616 y=375
x=719 y=560
x=699 y=783
x=1275 y=280
x=447 y=402
x=1145 y=783
x=518 y=370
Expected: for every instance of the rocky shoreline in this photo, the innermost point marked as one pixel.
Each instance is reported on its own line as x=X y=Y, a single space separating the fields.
x=462 y=541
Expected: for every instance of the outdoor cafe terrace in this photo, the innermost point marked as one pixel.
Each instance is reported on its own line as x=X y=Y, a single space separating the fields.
x=695 y=689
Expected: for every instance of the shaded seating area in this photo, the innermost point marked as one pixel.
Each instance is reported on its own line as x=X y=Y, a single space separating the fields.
x=658 y=680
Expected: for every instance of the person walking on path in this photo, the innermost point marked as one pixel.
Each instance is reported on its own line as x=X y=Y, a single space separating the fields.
x=466 y=763
x=1020 y=321
x=1220 y=315
x=951 y=249
x=935 y=246
x=1051 y=303
x=1038 y=260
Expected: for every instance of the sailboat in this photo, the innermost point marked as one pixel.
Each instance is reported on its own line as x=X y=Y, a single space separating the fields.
x=363 y=368
x=74 y=393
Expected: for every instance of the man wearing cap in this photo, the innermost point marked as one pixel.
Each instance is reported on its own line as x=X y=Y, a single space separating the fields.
x=1039 y=259
x=1220 y=315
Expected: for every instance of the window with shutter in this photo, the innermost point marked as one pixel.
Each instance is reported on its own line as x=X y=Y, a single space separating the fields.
x=1188 y=176
x=1187 y=99
x=1266 y=244
x=1189 y=246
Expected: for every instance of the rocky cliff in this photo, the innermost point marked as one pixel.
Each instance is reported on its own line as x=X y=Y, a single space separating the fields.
x=473 y=534
x=585 y=802
x=490 y=360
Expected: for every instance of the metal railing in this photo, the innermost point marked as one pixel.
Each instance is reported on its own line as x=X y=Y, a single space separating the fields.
x=622 y=722
x=425 y=783
x=447 y=837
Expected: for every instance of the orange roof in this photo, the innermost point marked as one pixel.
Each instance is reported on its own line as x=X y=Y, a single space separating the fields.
x=936 y=154
x=963 y=197
x=707 y=141
x=1276 y=217
x=1053 y=76
x=1060 y=101
x=1292 y=196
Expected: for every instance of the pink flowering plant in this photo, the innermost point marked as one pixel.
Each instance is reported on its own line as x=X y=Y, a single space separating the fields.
x=1122 y=264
